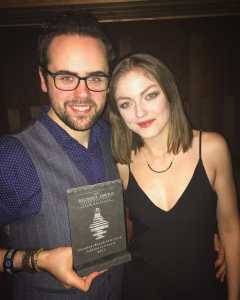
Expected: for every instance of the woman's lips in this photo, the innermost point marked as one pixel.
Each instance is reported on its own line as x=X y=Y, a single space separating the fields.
x=145 y=124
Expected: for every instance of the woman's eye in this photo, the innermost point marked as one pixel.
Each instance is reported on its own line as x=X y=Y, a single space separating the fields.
x=123 y=105
x=152 y=95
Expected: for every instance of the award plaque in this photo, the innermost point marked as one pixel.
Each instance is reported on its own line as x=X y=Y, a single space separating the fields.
x=97 y=225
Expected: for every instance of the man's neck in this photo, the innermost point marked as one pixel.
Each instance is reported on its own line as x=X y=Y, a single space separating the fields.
x=82 y=137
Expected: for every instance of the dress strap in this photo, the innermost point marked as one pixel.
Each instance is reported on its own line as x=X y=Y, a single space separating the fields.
x=200 y=144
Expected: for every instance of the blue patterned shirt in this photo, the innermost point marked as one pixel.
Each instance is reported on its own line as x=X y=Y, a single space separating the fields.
x=20 y=190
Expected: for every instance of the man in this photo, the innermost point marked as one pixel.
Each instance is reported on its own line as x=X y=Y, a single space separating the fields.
x=67 y=146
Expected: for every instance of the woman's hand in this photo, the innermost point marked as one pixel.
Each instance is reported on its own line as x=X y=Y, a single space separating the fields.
x=220 y=263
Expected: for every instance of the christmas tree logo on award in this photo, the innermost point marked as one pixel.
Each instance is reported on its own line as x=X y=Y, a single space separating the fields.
x=99 y=225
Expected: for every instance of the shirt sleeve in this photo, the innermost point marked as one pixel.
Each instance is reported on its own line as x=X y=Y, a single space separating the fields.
x=20 y=190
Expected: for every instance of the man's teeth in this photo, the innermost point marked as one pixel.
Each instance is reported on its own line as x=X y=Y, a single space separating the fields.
x=81 y=108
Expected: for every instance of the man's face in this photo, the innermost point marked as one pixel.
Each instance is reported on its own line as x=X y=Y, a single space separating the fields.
x=75 y=110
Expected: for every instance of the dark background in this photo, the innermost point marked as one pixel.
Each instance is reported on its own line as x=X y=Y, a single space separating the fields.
x=202 y=51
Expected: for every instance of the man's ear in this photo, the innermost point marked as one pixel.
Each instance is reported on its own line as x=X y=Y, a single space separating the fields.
x=42 y=80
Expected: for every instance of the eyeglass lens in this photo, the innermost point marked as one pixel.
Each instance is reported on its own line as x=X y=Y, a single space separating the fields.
x=70 y=82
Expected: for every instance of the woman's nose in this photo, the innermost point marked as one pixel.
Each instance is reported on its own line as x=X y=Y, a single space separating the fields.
x=139 y=110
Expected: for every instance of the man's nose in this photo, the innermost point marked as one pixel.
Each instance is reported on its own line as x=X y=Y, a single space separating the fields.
x=82 y=89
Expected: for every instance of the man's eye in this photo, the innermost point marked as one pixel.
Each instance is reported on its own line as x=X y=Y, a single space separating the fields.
x=66 y=78
x=96 y=79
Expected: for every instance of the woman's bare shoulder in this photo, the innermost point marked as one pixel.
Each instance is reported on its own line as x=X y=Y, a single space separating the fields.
x=214 y=146
x=214 y=141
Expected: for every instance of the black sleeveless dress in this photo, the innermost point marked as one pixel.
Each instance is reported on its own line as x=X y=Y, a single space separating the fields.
x=173 y=254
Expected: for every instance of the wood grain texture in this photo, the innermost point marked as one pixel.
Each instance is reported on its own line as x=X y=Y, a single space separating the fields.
x=34 y=12
x=38 y=3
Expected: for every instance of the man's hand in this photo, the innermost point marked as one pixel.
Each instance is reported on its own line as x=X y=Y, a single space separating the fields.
x=59 y=263
x=220 y=264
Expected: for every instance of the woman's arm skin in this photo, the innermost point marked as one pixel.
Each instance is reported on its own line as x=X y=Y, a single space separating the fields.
x=129 y=226
x=227 y=211
x=124 y=175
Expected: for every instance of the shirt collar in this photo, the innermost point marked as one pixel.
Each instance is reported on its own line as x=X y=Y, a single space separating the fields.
x=61 y=135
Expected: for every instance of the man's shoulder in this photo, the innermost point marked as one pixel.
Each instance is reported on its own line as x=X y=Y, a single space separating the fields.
x=11 y=149
x=9 y=143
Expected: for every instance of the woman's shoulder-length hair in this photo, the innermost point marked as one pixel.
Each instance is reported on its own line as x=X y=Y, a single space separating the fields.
x=123 y=140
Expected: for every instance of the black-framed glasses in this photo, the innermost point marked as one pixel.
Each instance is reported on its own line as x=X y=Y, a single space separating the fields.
x=67 y=81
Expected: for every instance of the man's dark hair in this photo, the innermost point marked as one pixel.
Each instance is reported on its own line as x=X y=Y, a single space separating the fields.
x=82 y=24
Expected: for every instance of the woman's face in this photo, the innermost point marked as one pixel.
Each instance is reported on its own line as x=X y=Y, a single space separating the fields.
x=142 y=104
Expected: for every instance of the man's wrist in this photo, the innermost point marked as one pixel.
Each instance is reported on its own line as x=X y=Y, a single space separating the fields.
x=17 y=261
x=42 y=259
x=34 y=260
x=10 y=260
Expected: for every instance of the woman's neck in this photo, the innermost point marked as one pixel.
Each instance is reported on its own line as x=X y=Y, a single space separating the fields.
x=156 y=146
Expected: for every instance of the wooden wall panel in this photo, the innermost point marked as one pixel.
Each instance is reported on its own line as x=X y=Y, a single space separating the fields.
x=37 y=3
x=34 y=12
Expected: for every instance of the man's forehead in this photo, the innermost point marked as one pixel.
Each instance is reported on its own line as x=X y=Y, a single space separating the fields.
x=74 y=53
x=68 y=42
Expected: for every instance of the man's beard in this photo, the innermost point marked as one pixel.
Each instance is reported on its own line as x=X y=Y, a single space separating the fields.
x=80 y=123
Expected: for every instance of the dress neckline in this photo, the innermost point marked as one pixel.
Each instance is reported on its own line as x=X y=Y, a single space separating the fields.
x=178 y=201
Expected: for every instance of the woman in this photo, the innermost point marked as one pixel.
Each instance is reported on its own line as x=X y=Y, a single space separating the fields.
x=178 y=188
